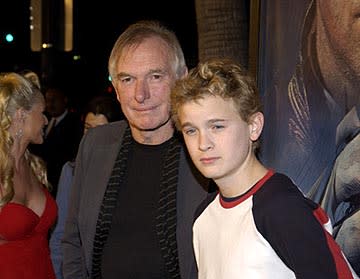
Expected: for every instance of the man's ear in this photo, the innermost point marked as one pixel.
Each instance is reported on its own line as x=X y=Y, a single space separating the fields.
x=116 y=92
x=256 y=125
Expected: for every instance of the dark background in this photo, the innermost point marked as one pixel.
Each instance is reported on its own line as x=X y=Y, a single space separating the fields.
x=97 y=25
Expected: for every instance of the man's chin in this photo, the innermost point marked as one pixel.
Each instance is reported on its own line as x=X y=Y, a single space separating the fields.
x=153 y=127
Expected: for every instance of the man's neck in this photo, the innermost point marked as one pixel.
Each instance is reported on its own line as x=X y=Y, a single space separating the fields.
x=153 y=137
x=61 y=116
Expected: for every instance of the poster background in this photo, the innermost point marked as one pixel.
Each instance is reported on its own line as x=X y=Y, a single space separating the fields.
x=306 y=135
x=280 y=43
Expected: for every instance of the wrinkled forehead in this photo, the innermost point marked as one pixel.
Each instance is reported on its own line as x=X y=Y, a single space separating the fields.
x=152 y=46
x=153 y=49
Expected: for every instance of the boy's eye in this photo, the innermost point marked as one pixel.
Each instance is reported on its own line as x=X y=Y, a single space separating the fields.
x=218 y=127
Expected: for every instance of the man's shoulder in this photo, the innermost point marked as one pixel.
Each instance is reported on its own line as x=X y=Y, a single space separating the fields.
x=71 y=121
x=72 y=116
x=107 y=133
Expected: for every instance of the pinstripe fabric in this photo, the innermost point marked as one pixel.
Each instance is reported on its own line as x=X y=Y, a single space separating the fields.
x=103 y=224
x=166 y=218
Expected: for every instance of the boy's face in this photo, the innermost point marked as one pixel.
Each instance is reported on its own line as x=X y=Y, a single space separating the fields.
x=218 y=140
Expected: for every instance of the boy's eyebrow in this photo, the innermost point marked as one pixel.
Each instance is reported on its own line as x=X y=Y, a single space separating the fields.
x=211 y=121
x=216 y=120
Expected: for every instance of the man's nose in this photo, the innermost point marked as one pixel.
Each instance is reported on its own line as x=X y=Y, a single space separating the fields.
x=142 y=91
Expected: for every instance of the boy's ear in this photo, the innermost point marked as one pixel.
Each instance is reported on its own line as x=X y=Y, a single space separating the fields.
x=256 y=125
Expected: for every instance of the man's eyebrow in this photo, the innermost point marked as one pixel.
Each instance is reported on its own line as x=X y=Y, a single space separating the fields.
x=185 y=124
x=150 y=72
x=157 y=71
x=122 y=74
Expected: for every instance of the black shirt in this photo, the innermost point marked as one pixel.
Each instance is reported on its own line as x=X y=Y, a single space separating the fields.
x=132 y=249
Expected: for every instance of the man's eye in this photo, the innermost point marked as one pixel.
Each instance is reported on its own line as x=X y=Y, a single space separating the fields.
x=189 y=131
x=156 y=76
x=125 y=79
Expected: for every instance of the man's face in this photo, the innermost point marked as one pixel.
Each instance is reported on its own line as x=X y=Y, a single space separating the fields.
x=56 y=102
x=144 y=80
x=341 y=19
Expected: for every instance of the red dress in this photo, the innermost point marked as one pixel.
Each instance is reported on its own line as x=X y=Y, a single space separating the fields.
x=24 y=249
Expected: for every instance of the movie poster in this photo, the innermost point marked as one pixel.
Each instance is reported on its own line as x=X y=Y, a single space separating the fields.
x=309 y=77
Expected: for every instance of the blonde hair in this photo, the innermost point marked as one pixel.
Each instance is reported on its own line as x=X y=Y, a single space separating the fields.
x=218 y=77
x=16 y=92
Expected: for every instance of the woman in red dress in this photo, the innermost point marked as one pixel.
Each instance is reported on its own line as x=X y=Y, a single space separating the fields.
x=27 y=210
